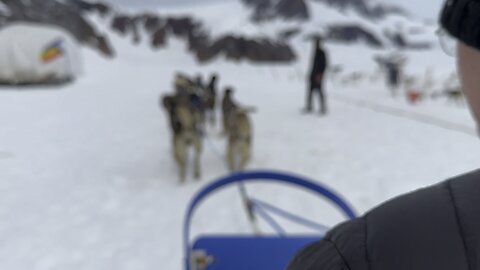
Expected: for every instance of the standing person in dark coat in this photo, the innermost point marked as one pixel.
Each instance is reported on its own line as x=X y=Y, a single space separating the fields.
x=435 y=228
x=316 y=78
x=393 y=73
x=393 y=67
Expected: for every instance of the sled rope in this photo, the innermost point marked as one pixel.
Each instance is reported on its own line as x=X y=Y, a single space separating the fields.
x=255 y=207
x=247 y=202
x=214 y=149
x=292 y=217
x=269 y=219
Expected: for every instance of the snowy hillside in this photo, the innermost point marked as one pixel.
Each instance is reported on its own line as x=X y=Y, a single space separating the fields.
x=227 y=28
x=87 y=180
x=236 y=29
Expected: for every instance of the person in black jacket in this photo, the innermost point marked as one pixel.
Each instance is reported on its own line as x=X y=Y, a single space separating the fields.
x=435 y=228
x=316 y=78
x=393 y=74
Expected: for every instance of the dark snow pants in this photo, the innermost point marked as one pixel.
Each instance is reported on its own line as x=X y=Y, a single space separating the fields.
x=316 y=87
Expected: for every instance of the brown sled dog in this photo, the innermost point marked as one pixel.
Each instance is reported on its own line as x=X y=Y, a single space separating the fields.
x=185 y=121
x=239 y=139
x=238 y=128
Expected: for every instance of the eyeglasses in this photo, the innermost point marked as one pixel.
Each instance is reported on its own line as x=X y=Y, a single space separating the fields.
x=447 y=42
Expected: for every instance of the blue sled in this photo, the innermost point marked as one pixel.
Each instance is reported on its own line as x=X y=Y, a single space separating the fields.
x=233 y=252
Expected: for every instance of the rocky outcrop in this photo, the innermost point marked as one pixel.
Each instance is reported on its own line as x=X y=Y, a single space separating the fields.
x=353 y=34
x=100 y=8
x=126 y=25
x=288 y=34
x=239 y=48
x=183 y=26
x=200 y=44
x=382 y=10
x=369 y=11
x=263 y=10
x=151 y=22
x=401 y=42
x=292 y=9
x=159 y=38
x=71 y=15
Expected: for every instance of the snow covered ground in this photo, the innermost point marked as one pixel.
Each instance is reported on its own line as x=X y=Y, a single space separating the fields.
x=87 y=180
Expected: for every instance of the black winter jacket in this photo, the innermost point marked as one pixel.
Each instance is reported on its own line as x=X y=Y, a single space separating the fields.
x=319 y=63
x=437 y=228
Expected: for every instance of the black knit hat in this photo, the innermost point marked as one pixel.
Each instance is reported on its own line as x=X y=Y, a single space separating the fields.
x=461 y=18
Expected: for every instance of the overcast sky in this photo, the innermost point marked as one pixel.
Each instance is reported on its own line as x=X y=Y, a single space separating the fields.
x=423 y=8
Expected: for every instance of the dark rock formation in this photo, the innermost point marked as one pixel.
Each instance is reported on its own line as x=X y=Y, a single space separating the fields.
x=70 y=15
x=401 y=42
x=255 y=50
x=287 y=34
x=284 y=9
x=263 y=10
x=83 y=6
x=377 y=11
x=292 y=9
x=199 y=42
x=181 y=26
x=382 y=10
x=151 y=22
x=126 y=25
x=159 y=38
x=352 y=34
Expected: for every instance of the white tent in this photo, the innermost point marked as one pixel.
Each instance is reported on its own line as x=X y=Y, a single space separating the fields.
x=35 y=54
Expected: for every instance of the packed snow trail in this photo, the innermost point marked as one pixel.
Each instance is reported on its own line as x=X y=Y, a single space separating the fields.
x=415 y=116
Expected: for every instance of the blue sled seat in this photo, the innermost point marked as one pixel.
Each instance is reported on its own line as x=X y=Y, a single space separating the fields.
x=247 y=253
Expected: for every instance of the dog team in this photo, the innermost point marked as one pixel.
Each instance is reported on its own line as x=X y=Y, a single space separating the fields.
x=191 y=107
